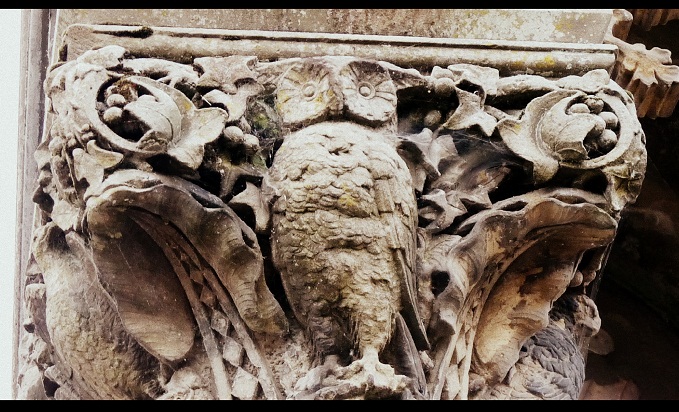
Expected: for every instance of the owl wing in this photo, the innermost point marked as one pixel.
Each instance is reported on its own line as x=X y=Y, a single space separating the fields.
x=396 y=203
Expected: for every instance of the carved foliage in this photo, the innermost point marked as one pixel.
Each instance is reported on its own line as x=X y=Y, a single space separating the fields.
x=647 y=74
x=324 y=228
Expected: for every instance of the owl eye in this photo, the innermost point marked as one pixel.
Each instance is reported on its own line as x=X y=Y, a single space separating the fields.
x=369 y=93
x=366 y=90
x=309 y=91
x=306 y=94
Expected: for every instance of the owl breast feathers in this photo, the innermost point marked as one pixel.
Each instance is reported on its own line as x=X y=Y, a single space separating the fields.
x=343 y=234
x=344 y=212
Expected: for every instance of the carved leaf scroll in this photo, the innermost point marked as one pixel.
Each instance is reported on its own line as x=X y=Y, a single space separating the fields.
x=170 y=122
x=173 y=124
x=226 y=243
x=518 y=231
x=589 y=125
x=561 y=139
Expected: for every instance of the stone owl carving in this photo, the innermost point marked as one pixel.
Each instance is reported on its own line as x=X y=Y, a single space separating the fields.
x=344 y=219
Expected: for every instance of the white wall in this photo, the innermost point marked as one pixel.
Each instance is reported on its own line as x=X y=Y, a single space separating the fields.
x=10 y=35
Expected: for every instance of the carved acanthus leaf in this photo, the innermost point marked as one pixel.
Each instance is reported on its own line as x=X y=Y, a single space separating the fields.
x=165 y=71
x=422 y=153
x=472 y=175
x=522 y=85
x=439 y=210
x=470 y=86
x=508 y=247
x=233 y=81
x=231 y=170
x=91 y=163
x=253 y=199
x=224 y=73
x=174 y=125
x=591 y=82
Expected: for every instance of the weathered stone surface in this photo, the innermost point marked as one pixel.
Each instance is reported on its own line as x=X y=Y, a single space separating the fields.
x=585 y=26
x=323 y=225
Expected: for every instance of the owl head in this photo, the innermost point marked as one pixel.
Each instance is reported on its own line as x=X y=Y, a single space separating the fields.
x=339 y=88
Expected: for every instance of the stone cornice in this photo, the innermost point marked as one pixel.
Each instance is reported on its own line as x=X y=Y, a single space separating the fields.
x=547 y=59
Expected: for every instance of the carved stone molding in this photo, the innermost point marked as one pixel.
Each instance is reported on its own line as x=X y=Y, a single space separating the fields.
x=508 y=56
x=275 y=215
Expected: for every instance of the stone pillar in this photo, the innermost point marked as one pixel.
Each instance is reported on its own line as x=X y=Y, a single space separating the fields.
x=323 y=204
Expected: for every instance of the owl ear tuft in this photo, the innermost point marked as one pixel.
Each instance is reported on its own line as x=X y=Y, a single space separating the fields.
x=404 y=78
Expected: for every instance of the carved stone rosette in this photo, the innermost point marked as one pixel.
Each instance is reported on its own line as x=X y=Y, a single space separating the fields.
x=321 y=227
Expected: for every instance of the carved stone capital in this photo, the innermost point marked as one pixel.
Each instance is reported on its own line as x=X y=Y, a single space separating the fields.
x=272 y=215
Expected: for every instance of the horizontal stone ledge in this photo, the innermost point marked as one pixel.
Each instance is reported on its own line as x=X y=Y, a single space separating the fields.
x=586 y=26
x=548 y=59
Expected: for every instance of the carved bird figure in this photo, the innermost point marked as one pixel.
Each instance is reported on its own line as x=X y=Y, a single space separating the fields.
x=551 y=365
x=344 y=219
x=97 y=357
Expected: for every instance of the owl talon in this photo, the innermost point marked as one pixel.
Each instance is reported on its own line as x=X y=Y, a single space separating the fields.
x=377 y=379
x=365 y=378
x=313 y=380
